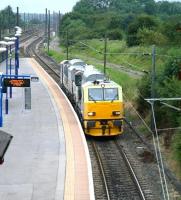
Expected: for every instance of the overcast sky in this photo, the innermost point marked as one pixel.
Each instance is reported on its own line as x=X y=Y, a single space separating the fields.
x=38 y=6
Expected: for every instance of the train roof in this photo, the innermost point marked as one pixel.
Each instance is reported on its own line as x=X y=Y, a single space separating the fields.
x=77 y=62
x=77 y=67
x=64 y=62
x=90 y=69
x=107 y=84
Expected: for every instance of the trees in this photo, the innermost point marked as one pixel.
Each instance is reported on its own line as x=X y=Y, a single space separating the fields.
x=172 y=69
x=84 y=7
x=172 y=30
x=139 y=23
x=167 y=86
x=150 y=7
x=143 y=21
x=115 y=34
x=149 y=37
x=168 y=7
x=7 y=18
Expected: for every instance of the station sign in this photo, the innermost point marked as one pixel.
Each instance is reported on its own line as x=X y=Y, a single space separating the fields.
x=34 y=79
x=16 y=82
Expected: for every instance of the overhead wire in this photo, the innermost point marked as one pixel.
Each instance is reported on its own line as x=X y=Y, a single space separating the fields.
x=170 y=106
x=157 y=152
x=133 y=66
x=90 y=47
x=168 y=56
x=169 y=129
x=144 y=122
x=127 y=53
x=157 y=147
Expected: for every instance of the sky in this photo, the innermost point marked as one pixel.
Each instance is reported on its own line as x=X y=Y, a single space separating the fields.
x=38 y=6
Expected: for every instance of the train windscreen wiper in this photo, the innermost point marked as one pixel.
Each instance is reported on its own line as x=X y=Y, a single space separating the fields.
x=115 y=98
x=92 y=98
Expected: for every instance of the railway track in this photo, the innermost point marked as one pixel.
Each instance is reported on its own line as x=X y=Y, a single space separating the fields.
x=32 y=50
x=118 y=179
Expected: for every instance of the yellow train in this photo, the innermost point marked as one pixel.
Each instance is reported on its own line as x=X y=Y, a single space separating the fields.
x=99 y=102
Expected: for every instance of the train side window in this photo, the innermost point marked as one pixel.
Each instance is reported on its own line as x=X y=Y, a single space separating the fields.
x=78 y=80
x=79 y=93
x=82 y=95
x=65 y=71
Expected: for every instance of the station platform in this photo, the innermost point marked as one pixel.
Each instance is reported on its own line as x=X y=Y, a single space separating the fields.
x=48 y=157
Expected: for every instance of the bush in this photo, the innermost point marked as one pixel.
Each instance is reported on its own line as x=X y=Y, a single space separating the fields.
x=176 y=146
x=149 y=37
x=132 y=40
x=172 y=68
x=141 y=22
x=167 y=86
x=115 y=34
x=172 y=30
x=144 y=89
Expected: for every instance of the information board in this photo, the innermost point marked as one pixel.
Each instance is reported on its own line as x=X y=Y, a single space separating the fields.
x=12 y=82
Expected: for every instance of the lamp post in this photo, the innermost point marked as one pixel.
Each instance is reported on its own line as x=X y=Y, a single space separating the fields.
x=11 y=41
x=105 y=54
x=4 y=43
x=2 y=49
x=6 y=100
x=7 y=44
x=17 y=35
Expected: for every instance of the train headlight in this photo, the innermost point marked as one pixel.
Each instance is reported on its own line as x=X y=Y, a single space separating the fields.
x=116 y=113
x=91 y=113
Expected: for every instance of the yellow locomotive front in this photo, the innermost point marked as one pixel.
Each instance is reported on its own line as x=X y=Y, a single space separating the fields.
x=102 y=108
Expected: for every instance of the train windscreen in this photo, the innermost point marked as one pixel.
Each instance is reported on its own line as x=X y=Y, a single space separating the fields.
x=110 y=94
x=103 y=94
x=96 y=94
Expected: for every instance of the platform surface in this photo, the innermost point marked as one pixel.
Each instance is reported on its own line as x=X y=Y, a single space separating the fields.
x=32 y=161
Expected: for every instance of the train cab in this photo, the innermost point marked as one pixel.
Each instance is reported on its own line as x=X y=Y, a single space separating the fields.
x=102 y=108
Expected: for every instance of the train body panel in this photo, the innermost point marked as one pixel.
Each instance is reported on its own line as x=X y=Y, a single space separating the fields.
x=68 y=71
x=103 y=110
x=103 y=119
x=73 y=84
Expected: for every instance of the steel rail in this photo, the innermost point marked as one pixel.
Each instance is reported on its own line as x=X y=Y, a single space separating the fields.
x=30 y=50
x=135 y=179
x=102 y=169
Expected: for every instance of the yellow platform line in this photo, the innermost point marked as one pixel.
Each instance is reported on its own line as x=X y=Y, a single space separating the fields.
x=69 y=187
